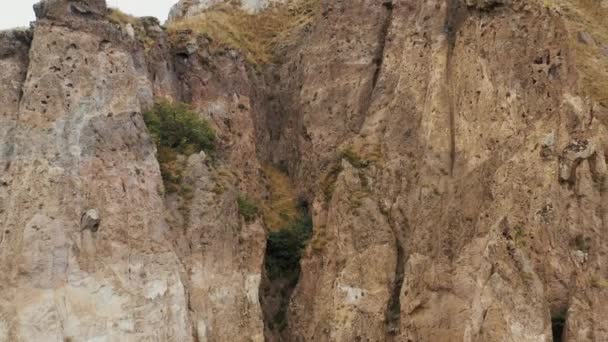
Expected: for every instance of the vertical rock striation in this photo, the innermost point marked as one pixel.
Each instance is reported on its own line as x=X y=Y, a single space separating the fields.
x=454 y=169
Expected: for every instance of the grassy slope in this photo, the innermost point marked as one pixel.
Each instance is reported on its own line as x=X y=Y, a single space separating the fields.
x=256 y=35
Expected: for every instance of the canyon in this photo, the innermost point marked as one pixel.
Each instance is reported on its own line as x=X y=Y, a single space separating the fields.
x=381 y=170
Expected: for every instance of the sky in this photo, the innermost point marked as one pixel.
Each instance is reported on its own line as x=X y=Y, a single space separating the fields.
x=19 y=13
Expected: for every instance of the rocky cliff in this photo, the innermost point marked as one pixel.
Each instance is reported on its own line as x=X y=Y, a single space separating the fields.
x=380 y=171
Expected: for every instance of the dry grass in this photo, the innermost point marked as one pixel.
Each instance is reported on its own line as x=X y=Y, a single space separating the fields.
x=599 y=282
x=256 y=35
x=319 y=239
x=281 y=209
x=117 y=16
x=587 y=16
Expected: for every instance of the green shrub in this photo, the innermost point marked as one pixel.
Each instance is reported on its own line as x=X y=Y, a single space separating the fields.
x=284 y=248
x=247 y=208
x=175 y=126
x=177 y=130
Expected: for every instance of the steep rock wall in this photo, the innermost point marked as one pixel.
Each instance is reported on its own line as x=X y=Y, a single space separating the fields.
x=453 y=157
x=83 y=250
x=222 y=253
x=92 y=245
x=471 y=118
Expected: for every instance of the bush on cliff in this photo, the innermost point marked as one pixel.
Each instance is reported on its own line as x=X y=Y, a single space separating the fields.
x=285 y=246
x=247 y=208
x=177 y=130
x=175 y=126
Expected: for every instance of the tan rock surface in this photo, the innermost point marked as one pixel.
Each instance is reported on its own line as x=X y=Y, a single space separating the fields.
x=79 y=146
x=453 y=153
x=470 y=121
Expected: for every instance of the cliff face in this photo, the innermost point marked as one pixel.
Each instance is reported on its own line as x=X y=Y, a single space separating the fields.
x=470 y=217
x=452 y=154
x=83 y=251
x=474 y=208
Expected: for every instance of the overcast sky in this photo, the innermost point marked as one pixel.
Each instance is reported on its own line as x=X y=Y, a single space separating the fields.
x=15 y=13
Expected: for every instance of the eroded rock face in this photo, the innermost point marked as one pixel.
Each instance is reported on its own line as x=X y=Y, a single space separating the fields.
x=461 y=177
x=78 y=142
x=454 y=164
x=59 y=9
x=222 y=253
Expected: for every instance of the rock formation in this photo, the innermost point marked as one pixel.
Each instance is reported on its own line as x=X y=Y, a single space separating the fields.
x=189 y=8
x=451 y=153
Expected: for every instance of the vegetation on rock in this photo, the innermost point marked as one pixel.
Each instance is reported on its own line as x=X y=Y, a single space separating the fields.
x=285 y=246
x=284 y=249
x=281 y=206
x=354 y=159
x=175 y=126
x=176 y=129
x=290 y=228
x=248 y=208
x=256 y=35
x=123 y=19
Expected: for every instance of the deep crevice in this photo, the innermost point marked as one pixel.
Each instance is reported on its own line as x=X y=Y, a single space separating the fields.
x=284 y=249
x=379 y=55
x=393 y=314
x=454 y=18
x=393 y=311
x=558 y=323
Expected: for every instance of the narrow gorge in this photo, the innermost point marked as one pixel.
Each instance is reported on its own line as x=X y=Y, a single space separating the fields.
x=306 y=170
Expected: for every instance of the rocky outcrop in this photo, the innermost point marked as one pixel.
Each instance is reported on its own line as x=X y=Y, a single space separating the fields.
x=59 y=9
x=111 y=258
x=452 y=152
x=83 y=251
x=223 y=254
x=487 y=240
x=189 y=8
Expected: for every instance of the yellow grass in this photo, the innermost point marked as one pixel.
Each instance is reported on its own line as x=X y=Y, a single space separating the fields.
x=599 y=282
x=281 y=208
x=587 y=16
x=119 y=17
x=255 y=35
